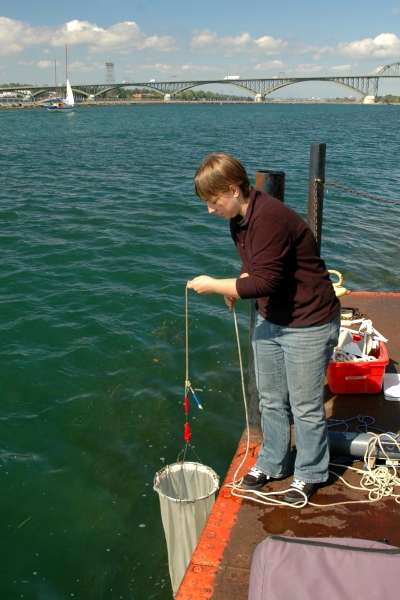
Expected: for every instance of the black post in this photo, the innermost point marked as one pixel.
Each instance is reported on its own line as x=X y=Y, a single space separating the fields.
x=271 y=182
x=316 y=190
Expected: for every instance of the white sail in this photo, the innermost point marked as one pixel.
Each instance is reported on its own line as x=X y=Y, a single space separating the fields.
x=69 y=100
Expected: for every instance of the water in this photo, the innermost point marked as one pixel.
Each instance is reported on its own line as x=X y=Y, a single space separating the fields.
x=100 y=229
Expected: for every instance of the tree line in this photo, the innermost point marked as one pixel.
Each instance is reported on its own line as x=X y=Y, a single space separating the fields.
x=389 y=99
x=188 y=95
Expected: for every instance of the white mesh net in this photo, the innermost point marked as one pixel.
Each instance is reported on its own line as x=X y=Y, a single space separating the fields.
x=187 y=494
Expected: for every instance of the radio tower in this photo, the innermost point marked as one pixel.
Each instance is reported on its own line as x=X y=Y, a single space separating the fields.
x=110 y=76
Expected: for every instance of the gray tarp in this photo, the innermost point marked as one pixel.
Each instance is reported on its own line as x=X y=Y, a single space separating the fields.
x=287 y=568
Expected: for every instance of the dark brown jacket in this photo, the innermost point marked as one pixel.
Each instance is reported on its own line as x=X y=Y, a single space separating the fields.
x=286 y=273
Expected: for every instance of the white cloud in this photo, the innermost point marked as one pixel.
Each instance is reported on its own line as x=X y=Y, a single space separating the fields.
x=301 y=48
x=184 y=70
x=124 y=37
x=377 y=69
x=208 y=42
x=272 y=64
x=197 y=68
x=265 y=52
x=44 y=64
x=76 y=66
x=121 y=37
x=342 y=68
x=323 y=51
x=16 y=35
x=385 y=45
x=308 y=69
x=160 y=67
x=270 y=45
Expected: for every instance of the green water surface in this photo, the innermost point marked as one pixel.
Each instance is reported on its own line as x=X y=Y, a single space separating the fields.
x=100 y=230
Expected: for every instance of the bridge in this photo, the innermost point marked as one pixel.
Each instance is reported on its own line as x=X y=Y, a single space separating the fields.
x=366 y=85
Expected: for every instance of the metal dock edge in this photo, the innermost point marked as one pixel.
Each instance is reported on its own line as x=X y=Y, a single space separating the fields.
x=220 y=566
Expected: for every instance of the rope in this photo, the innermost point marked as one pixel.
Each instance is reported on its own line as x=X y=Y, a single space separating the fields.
x=244 y=398
x=355 y=192
x=379 y=482
x=236 y=490
x=187 y=382
x=188 y=386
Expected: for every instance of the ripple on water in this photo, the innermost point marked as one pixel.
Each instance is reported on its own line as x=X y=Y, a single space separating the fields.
x=102 y=229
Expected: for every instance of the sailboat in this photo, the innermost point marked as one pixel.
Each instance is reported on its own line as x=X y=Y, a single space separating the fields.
x=67 y=104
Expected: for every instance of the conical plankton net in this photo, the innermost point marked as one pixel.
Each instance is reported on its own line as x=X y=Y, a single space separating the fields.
x=187 y=494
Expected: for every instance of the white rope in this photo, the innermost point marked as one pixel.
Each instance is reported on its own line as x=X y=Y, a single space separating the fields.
x=187 y=382
x=235 y=486
x=379 y=482
x=236 y=483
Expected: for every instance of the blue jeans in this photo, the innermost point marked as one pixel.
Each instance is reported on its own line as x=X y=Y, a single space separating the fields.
x=290 y=365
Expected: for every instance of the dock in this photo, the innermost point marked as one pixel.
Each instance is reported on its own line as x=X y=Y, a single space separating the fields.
x=220 y=566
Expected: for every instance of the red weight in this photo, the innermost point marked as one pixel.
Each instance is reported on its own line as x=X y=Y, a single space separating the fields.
x=187 y=434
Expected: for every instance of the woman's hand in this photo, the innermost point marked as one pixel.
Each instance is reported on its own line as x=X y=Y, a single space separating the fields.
x=202 y=284
x=230 y=301
x=208 y=285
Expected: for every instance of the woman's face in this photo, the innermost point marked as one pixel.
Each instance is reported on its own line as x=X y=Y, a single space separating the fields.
x=228 y=205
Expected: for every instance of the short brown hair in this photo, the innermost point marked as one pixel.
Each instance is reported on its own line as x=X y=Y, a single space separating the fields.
x=217 y=173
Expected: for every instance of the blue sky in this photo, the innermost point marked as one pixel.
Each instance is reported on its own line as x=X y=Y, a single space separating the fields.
x=207 y=39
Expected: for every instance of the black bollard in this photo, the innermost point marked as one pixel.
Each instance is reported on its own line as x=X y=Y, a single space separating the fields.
x=316 y=190
x=272 y=183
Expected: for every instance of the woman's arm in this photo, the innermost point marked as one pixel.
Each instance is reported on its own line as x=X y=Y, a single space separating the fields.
x=208 y=285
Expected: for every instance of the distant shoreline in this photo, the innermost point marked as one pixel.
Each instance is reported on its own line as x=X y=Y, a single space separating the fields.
x=15 y=105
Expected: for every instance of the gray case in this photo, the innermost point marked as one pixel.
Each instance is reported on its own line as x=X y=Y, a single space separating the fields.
x=287 y=568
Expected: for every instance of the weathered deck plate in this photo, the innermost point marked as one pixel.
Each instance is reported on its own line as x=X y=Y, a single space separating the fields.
x=220 y=566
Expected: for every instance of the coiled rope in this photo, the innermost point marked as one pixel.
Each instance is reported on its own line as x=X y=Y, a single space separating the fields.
x=380 y=482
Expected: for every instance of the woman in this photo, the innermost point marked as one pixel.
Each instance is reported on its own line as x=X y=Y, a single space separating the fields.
x=297 y=323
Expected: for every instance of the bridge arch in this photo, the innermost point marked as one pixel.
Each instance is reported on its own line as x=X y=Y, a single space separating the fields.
x=391 y=69
x=324 y=80
x=361 y=85
x=117 y=86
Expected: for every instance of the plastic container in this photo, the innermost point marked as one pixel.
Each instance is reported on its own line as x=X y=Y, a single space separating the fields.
x=364 y=377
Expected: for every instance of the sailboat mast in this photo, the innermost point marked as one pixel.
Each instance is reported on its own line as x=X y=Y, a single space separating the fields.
x=66 y=64
x=55 y=77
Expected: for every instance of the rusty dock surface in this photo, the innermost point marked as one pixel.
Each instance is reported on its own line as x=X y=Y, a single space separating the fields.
x=220 y=566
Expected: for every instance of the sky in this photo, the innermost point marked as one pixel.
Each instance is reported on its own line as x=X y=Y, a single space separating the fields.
x=173 y=40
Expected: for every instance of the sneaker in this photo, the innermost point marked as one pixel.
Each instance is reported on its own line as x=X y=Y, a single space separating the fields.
x=300 y=490
x=255 y=479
